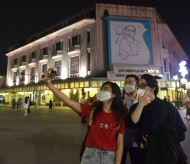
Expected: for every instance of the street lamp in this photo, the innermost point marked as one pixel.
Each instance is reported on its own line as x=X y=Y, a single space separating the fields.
x=184 y=72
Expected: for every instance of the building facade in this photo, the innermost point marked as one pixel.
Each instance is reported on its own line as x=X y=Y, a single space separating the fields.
x=103 y=42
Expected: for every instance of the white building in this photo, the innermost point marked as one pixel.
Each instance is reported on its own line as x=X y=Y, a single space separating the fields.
x=104 y=42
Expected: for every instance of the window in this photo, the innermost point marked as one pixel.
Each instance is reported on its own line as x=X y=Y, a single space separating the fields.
x=32 y=74
x=88 y=36
x=44 y=68
x=171 y=72
x=58 y=46
x=15 y=62
x=70 y=42
x=33 y=55
x=74 y=65
x=24 y=59
x=74 y=40
x=14 y=77
x=164 y=64
x=88 y=61
x=44 y=51
x=58 y=67
x=23 y=75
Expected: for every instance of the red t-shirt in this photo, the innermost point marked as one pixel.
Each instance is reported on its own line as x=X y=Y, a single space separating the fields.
x=102 y=133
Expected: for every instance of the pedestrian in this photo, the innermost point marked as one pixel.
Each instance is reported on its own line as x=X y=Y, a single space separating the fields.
x=161 y=128
x=20 y=103
x=26 y=104
x=165 y=98
x=168 y=98
x=50 y=104
x=83 y=101
x=29 y=104
x=54 y=104
x=187 y=105
x=130 y=137
x=17 y=104
x=105 y=137
x=3 y=101
x=13 y=104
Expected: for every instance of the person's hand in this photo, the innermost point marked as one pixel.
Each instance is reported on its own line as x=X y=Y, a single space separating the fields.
x=147 y=97
x=48 y=81
x=49 y=75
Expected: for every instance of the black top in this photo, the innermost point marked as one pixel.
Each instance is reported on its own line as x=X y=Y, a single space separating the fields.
x=156 y=114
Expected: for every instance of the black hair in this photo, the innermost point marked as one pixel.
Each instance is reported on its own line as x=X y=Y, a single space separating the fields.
x=151 y=82
x=136 y=77
x=116 y=106
x=26 y=100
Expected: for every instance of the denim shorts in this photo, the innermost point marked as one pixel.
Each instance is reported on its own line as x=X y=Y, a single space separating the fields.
x=97 y=156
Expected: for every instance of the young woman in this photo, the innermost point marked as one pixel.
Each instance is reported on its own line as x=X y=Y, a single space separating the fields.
x=26 y=104
x=160 y=125
x=105 y=138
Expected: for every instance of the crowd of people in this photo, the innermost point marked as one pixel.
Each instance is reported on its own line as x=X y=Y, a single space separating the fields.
x=136 y=122
x=19 y=104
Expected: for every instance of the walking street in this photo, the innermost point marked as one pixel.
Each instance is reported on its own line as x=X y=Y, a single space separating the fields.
x=47 y=136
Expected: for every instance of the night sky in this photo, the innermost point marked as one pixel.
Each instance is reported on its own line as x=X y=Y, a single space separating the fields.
x=20 y=19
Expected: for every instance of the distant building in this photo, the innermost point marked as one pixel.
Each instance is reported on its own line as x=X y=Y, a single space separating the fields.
x=104 y=42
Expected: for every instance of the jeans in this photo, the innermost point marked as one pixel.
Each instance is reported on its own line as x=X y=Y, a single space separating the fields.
x=98 y=156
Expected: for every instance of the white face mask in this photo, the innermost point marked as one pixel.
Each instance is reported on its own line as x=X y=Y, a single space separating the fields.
x=140 y=92
x=129 y=88
x=104 y=96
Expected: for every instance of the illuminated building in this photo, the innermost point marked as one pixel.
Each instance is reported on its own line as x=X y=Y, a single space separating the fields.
x=104 y=42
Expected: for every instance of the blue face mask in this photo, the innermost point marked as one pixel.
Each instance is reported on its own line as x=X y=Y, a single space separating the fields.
x=104 y=96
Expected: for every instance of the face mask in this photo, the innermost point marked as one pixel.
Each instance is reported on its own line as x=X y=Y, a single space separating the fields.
x=104 y=96
x=129 y=88
x=140 y=92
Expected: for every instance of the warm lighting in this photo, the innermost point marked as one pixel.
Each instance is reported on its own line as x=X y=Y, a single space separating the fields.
x=74 y=91
x=46 y=92
x=67 y=90
x=87 y=89
x=21 y=93
x=83 y=72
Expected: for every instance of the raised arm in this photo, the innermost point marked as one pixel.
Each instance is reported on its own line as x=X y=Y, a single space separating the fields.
x=143 y=101
x=75 y=106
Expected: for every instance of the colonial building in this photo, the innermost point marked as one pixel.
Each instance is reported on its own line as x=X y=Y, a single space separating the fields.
x=103 y=42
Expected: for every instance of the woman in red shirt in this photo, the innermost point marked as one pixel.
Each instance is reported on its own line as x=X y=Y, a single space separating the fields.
x=104 y=143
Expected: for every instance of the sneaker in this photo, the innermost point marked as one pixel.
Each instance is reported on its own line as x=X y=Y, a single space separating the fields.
x=25 y=114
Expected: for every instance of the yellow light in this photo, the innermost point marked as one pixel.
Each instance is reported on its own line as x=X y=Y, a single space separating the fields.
x=74 y=91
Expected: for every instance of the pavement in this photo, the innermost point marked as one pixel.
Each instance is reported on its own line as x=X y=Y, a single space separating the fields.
x=47 y=136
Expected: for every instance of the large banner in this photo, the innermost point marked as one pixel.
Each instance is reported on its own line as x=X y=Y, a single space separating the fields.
x=129 y=42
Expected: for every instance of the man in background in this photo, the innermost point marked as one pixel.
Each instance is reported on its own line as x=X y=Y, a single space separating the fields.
x=130 y=137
